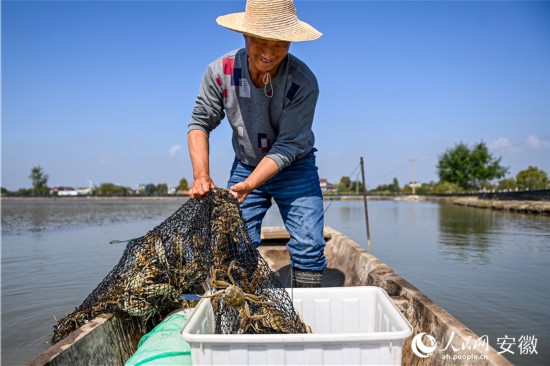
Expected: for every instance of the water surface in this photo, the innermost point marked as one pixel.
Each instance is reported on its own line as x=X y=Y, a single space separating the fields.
x=488 y=269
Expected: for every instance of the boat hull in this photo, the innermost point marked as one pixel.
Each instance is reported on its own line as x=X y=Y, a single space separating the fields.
x=105 y=340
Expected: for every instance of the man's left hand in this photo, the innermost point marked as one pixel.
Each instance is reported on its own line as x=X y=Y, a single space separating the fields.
x=241 y=191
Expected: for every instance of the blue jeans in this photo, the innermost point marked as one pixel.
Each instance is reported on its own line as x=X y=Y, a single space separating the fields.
x=297 y=192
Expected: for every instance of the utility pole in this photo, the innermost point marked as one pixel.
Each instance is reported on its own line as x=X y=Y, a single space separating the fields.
x=366 y=207
x=414 y=184
x=413 y=177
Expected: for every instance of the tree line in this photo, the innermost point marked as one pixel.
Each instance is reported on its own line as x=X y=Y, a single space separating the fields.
x=40 y=188
x=462 y=169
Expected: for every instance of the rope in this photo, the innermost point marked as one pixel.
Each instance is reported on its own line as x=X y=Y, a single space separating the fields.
x=268 y=87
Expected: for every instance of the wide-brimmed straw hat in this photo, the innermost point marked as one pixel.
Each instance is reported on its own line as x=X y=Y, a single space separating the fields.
x=270 y=19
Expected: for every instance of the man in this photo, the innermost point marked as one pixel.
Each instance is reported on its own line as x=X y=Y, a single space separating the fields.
x=269 y=97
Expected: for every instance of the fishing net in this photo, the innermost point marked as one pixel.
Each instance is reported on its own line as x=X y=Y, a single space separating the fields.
x=204 y=241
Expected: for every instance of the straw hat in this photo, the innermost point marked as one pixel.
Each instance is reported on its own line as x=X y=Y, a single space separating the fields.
x=270 y=19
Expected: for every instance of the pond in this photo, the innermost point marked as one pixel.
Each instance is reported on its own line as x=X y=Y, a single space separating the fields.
x=488 y=269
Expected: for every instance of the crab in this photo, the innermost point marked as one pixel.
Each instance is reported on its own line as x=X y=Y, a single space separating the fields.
x=137 y=306
x=276 y=320
x=137 y=278
x=234 y=297
x=250 y=321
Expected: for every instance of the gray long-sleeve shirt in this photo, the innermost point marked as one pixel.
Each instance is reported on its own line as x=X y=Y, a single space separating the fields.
x=277 y=127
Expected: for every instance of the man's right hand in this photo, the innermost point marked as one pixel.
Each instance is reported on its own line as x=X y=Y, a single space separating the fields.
x=201 y=186
x=198 y=151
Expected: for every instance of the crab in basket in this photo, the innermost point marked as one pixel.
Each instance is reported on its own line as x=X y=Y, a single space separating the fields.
x=234 y=297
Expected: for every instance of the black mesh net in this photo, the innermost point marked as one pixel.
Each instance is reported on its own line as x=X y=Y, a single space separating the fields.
x=204 y=241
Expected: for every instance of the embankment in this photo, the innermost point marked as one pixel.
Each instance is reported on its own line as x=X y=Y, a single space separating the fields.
x=532 y=207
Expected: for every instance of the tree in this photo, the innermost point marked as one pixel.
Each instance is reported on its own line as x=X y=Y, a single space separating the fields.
x=184 y=186
x=39 y=181
x=150 y=189
x=162 y=189
x=110 y=189
x=344 y=186
x=443 y=187
x=24 y=192
x=424 y=188
x=356 y=186
x=508 y=184
x=395 y=186
x=469 y=167
x=346 y=181
x=341 y=188
x=383 y=189
x=532 y=178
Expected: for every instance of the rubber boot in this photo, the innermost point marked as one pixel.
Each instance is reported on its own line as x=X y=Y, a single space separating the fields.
x=306 y=278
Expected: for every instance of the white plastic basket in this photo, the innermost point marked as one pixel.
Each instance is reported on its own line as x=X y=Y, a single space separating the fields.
x=351 y=326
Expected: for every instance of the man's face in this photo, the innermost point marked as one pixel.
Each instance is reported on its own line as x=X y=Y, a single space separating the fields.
x=265 y=55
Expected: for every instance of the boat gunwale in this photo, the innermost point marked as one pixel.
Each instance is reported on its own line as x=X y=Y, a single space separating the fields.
x=411 y=302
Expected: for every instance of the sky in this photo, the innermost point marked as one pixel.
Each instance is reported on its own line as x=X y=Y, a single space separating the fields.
x=103 y=91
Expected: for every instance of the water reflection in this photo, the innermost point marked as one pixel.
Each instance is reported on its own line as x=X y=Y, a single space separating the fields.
x=465 y=233
x=346 y=213
x=37 y=215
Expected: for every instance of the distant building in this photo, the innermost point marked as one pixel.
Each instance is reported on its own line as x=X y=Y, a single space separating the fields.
x=70 y=191
x=326 y=186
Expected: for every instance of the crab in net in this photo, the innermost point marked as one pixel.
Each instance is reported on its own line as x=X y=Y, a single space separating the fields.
x=236 y=298
x=177 y=256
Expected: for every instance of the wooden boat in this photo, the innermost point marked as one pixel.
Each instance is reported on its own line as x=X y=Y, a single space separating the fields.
x=109 y=340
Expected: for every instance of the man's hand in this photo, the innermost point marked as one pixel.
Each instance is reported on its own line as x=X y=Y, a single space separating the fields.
x=241 y=191
x=198 y=150
x=201 y=186
x=261 y=174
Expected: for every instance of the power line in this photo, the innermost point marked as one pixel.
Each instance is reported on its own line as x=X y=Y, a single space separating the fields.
x=391 y=172
x=351 y=175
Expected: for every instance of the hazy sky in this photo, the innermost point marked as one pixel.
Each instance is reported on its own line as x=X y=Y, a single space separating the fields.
x=104 y=90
